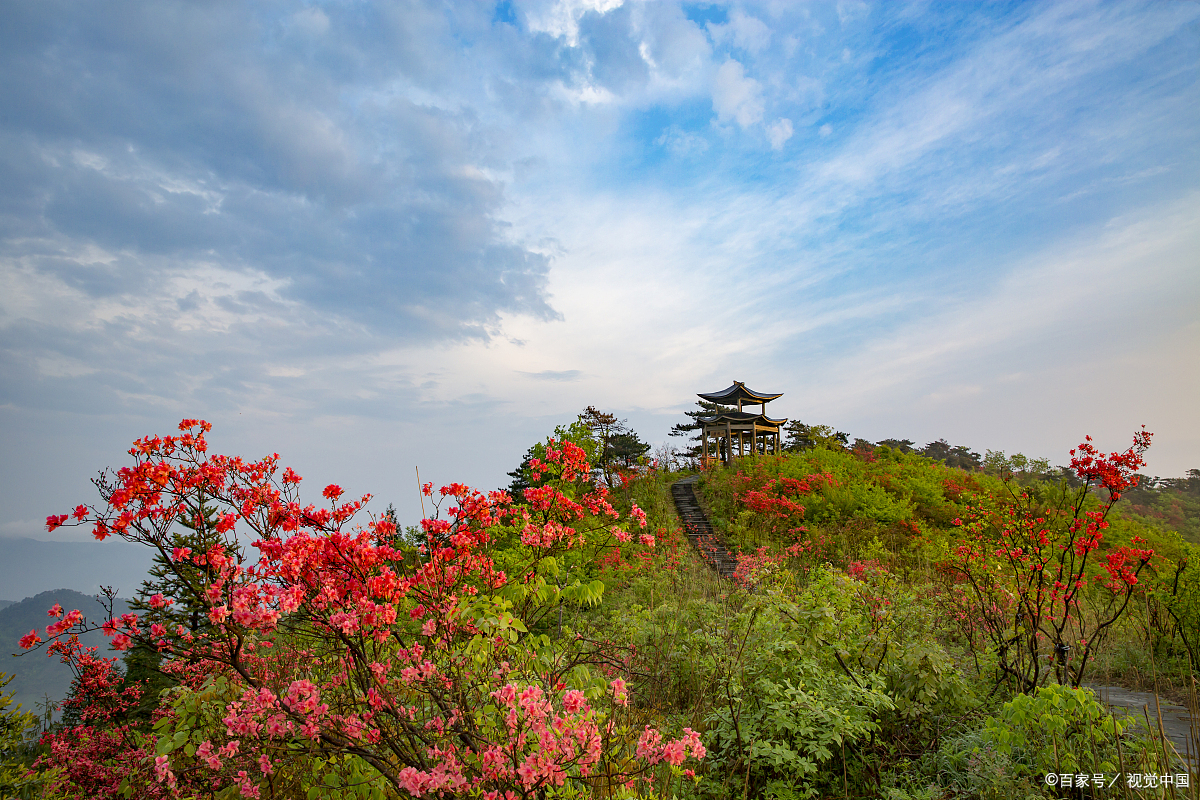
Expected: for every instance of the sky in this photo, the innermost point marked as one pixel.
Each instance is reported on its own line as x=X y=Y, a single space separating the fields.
x=377 y=238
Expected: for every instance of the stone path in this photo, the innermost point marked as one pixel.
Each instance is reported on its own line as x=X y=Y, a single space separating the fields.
x=698 y=529
x=1177 y=721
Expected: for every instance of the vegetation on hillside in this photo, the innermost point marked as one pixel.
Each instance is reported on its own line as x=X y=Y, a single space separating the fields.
x=37 y=680
x=904 y=623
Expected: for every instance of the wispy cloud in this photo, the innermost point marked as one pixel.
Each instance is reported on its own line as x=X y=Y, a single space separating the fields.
x=376 y=227
x=555 y=375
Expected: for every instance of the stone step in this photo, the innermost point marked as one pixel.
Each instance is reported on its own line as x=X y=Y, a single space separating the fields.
x=699 y=532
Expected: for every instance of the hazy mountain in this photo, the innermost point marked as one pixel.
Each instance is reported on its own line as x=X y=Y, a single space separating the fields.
x=37 y=676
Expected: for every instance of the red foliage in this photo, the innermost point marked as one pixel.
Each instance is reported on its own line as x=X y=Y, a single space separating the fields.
x=1116 y=472
x=778 y=498
x=1023 y=569
x=104 y=749
x=413 y=656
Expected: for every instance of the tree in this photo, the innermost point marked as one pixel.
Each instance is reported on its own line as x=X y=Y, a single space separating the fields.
x=694 y=430
x=903 y=445
x=337 y=661
x=172 y=599
x=801 y=437
x=16 y=778
x=617 y=443
x=1026 y=567
x=577 y=433
x=520 y=476
x=997 y=463
x=624 y=449
x=959 y=456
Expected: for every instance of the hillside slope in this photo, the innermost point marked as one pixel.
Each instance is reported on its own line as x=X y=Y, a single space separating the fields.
x=37 y=676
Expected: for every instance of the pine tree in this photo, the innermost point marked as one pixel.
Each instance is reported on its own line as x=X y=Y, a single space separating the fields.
x=521 y=477
x=182 y=582
x=626 y=448
x=801 y=437
x=617 y=443
x=694 y=429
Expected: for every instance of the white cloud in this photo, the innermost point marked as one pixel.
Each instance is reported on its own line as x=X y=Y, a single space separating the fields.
x=779 y=132
x=560 y=18
x=310 y=21
x=682 y=143
x=737 y=97
x=271 y=247
x=744 y=31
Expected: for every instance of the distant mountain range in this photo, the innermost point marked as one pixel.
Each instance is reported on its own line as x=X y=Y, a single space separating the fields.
x=37 y=676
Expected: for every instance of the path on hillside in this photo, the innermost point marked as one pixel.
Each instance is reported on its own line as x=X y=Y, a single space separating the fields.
x=1177 y=721
x=698 y=529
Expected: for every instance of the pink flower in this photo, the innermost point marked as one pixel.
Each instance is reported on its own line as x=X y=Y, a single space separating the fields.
x=674 y=752
x=620 y=693
x=530 y=696
x=507 y=694
x=29 y=640
x=206 y=754
x=648 y=745
x=574 y=701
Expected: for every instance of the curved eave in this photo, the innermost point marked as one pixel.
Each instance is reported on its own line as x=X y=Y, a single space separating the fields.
x=738 y=392
x=742 y=418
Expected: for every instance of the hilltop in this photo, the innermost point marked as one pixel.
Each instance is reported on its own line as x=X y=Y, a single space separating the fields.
x=36 y=676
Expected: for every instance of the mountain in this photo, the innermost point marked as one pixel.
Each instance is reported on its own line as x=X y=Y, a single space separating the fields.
x=37 y=676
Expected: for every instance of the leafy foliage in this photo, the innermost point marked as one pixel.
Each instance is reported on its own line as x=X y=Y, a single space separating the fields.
x=339 y=648
x=801 y=438
x=570 y=642
x=693 y=430
x=16 y=777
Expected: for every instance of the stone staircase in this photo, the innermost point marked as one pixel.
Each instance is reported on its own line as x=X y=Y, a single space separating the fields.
x=698 y=529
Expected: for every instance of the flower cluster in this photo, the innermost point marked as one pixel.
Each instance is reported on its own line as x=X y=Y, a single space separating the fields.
x=342 y=639
x=1023 y=567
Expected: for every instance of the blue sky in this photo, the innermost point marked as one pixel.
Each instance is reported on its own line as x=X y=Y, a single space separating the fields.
x=373 y=237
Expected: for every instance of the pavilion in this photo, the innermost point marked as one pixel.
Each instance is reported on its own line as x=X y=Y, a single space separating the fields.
x=747 y=431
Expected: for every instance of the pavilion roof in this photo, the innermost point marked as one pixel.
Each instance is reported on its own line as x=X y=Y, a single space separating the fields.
x=742 y=418
x=739 y=391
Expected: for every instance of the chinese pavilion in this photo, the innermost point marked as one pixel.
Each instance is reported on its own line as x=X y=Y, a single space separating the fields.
x=739 y=433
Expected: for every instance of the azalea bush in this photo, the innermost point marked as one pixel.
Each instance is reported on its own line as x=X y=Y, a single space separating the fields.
x=1033 y=578
x=98 y=751
x=342 y=659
